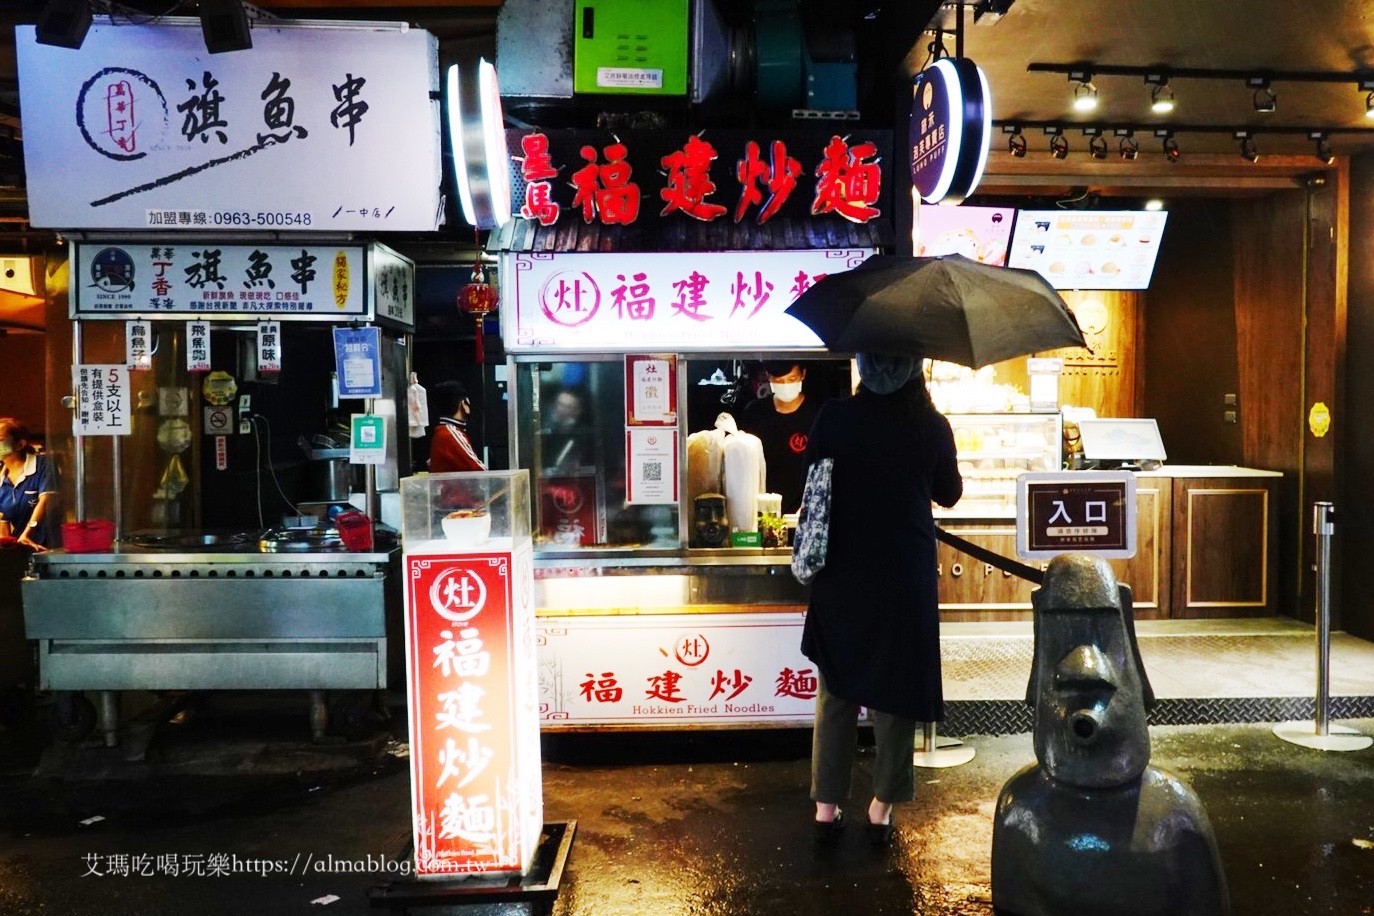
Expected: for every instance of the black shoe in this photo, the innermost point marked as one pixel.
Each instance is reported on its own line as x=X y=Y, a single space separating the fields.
x=879 y=835
x=827 y=833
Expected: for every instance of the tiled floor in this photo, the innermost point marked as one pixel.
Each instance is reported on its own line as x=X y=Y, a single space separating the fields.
x=1201 y=671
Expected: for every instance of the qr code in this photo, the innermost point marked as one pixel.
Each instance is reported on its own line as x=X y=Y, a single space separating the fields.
x=653 y=470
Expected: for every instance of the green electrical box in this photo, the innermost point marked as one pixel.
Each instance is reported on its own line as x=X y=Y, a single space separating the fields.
x=631 y=47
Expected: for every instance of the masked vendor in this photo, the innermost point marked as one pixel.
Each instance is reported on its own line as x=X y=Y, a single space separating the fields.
x=782 y=421
x=26 y=486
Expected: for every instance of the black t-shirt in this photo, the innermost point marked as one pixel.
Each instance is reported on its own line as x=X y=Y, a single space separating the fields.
x=784 y=438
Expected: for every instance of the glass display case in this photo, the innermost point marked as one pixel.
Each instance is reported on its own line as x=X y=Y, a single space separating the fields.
x=470 y=510
x=995 y=449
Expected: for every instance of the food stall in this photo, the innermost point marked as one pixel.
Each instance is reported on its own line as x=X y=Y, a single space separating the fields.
x=227 y=561
x=641 y=287
x=239 y=350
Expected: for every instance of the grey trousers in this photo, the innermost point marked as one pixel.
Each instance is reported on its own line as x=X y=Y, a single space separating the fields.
x=834 y=740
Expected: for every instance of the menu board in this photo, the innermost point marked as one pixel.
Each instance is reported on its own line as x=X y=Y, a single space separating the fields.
x=1098 y=249
x=978 y=233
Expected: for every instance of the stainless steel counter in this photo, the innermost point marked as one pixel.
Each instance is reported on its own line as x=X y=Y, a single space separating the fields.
x=235 y=618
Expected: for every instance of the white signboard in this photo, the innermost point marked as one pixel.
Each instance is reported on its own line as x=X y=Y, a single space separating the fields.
x=269 y=347
x=316 y=129
x=674 y=669
x=650 y=465
x=393 y=286
x=197 y=346
x=217 y=280
x=138 y=344
x=678 y=302
x=102 y=400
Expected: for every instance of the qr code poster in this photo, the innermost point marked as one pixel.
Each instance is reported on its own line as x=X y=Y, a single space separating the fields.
x=650 y=466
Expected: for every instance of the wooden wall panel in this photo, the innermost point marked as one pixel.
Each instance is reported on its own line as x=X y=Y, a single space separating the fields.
x=1104 y=377
x=1270 y=264
x=1189 y=354
x=1223 y=547
x=23 y=398
x=1356 y=520
x=973 y=590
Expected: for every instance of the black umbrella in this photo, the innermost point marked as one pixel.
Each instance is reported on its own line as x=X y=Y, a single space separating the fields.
x=948 y=308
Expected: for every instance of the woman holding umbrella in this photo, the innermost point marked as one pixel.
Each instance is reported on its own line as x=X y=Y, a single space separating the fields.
x=873 y=624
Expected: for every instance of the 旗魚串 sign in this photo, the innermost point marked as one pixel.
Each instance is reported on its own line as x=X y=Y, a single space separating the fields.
x=316 y=129
x=215 y=280
x=1092 y=512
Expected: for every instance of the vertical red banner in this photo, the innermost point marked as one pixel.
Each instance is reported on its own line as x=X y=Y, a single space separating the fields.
x=470 y=779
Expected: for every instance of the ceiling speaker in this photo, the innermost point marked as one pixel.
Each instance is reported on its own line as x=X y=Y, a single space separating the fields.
x=224 y=23
x=64 y=23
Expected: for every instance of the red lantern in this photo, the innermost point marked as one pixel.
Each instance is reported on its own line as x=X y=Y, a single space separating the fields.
x=478 y=299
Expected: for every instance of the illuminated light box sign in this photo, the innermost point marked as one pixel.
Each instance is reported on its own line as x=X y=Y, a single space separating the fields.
x=1090 y=249
x=674 y=302
x=474 y=753
x=662 y=669
x=721 y=177
x=980 y=234
x=314 y=129
x=951 y=121
x=213 y=281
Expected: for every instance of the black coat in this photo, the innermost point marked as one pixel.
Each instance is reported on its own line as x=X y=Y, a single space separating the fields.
x=873 y=627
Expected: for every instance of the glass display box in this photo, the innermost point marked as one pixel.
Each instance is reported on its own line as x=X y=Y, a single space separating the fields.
x=994 y=450
x=471 y=510
x=472 y=687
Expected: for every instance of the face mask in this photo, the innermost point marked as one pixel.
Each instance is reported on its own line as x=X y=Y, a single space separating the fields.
x=786 y=391
x=6 y=449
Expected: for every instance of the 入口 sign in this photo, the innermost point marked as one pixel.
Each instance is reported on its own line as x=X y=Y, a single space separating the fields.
x=1092 y=512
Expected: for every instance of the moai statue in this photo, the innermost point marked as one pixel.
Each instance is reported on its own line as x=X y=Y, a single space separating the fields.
x=1092 y=829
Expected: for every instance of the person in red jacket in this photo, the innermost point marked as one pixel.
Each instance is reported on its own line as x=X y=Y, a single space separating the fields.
x=452 y=448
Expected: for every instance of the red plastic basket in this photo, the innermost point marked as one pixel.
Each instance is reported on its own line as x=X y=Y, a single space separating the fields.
x=93 y=536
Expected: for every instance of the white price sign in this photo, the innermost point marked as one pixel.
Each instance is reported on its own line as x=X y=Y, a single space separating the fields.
x=102 y=400
x=197 y=346
x=138 y=344
x=269 y=347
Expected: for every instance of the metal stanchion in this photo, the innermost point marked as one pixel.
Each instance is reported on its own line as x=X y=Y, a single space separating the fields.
x=934 y=752
x=1320 y=734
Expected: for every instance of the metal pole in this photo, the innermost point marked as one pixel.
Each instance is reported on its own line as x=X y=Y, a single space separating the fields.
x=1323 y=527
x=939 y=753
x=118 y=487
x=1320 y=734
x=78 y=442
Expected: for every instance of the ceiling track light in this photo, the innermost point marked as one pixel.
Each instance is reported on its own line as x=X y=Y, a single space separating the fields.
x=1323 y=151
x=1170 y=145
x=1097 y=145
x=1161 y=93
x=1084 y=92
x=1059 y=144
x=1265 y=99
x=1248 y=151
x=1016 y=141
x=1129 y=146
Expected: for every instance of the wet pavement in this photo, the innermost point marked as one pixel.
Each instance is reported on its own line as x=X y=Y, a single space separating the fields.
x=700 y=823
